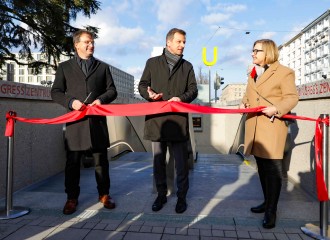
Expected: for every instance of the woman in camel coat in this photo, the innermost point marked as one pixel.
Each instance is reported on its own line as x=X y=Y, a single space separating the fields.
x=272 y=85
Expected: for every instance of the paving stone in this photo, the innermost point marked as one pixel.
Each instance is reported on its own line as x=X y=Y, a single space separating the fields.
x=218 y=233
x=111 y=227
x=256 y=235
x=89 y=225
x=181 y=231
x=293 y=236
x=230 y=233
x=100 y=226
x=157 y=229
x=142 y=236
x=134 y=228
x=281 y=236
x=169 y=230
x=179 y=237
x=30 y=232
x=193 y=231
x=243 y=234
x=268 y=235
x=205 y=232
x=146 y=229
x=104 y=235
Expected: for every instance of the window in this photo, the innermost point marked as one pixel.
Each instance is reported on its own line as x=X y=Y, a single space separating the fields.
x=48 y=71
x=30 y=71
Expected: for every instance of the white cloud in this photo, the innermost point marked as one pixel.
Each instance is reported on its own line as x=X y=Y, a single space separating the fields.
x=226 y=7
x=215 y=18
x=234 y=8
x=135 y=71
x=268 y=35
x=110 y=30
x=172 y=12
x=119 y=35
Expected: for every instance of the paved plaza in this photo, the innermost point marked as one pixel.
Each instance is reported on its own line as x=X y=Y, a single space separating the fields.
x=222 y=190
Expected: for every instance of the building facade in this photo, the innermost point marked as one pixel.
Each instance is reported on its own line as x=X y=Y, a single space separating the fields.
x=232 y=93
x=14 y=72
x=308 y=53
x=11 y=71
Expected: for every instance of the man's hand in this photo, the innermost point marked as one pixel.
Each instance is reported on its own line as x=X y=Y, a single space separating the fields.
x=77 y=105
x=96 y=102
x=174 y=99
x=154 y=96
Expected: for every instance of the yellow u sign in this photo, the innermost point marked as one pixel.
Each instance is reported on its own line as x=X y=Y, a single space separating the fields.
x=215 y=56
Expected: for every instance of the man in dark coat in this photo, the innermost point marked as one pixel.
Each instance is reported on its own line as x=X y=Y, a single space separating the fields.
x=79 y=81
x=169 y=78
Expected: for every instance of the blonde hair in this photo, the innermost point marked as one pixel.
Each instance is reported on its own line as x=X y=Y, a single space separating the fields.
x=270 y=49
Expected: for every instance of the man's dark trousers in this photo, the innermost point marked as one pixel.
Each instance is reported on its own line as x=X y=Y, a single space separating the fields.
x=180 y=153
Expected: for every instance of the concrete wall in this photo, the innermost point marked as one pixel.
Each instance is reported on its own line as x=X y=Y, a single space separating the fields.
x=38 y=149
x=302 y=165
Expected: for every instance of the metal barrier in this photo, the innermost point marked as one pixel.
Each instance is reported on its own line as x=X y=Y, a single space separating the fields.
x=322 y=232
x=11 y=212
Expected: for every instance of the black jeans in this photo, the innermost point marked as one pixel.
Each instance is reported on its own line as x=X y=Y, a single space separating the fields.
x=180 y=153
x=72 y=173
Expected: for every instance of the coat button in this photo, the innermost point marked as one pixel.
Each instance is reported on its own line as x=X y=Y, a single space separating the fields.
x=258 y=99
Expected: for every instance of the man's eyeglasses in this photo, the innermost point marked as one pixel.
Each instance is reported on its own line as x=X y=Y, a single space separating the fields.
x=88 y=42
x=255 y=51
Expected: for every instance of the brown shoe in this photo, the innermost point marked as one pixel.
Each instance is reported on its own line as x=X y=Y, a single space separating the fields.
x=107 y=201
x=70 y=206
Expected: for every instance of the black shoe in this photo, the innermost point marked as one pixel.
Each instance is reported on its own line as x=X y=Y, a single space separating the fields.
x=269 y=220
x=259 y=209
x=181 y=205
x=159 y=202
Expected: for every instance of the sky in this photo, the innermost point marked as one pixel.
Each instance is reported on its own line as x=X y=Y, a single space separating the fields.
x=129 y=29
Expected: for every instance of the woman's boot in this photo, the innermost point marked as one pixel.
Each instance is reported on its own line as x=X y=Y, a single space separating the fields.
x=261 y=208
x=274 y=185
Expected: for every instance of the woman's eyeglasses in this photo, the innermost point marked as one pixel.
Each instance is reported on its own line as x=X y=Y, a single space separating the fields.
x=255 y=51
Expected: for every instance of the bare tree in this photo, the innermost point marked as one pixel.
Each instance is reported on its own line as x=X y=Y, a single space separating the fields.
x=201 y=78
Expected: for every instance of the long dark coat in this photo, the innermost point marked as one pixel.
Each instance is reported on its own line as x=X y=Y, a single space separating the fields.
x=264 y=138
x=71 y=83
x=180 y=83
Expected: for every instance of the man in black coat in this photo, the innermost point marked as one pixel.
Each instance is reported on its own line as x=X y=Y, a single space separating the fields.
x=169 y=78
x=80 y=81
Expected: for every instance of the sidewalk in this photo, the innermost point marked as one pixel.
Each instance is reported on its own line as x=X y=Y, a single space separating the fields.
x=222 y=190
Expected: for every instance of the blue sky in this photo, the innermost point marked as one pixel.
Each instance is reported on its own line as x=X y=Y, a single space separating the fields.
x=129 y=29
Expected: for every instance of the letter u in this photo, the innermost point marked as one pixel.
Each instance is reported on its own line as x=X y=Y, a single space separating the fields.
x=215 y=56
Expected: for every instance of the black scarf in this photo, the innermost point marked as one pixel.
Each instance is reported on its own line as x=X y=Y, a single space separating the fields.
x=84 y=64
x=171 y=59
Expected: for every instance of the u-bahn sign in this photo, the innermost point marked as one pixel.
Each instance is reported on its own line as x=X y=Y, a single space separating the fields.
x=20 y=90
x=318 y=89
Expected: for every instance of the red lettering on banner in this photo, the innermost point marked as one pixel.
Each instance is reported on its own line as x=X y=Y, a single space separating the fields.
x=20 y=90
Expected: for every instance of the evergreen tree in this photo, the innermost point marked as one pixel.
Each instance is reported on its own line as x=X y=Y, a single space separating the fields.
x=27 y=26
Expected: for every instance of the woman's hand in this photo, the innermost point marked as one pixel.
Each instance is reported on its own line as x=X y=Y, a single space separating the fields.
x=270 y=111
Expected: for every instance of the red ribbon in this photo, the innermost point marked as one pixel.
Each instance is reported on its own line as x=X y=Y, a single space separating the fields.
x=139 y=109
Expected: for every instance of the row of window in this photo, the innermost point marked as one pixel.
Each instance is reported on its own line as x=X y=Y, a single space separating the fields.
x=321 y=26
